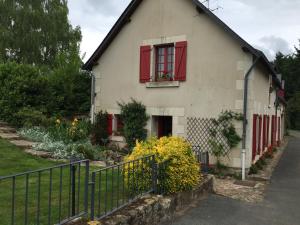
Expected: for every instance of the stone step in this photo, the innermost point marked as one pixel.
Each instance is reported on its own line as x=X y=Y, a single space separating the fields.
x=5 y=129
x=41 y=154
x=2 y=124
x=10 y=136
x=22 y=143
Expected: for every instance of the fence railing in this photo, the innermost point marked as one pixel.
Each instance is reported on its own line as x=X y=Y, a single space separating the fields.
x=117 y=186
x=65 y=192
x=50 y=196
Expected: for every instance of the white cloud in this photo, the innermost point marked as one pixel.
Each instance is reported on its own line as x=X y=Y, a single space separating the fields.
x=271 y=45
x=95 y=17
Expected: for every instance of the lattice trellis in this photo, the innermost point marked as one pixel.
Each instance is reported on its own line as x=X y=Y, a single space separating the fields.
x=199 y=134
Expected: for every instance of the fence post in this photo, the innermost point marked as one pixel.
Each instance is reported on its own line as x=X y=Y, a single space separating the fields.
x=93 y=196
x=154 y=175
x=206 y=161
x=73 y=188
x=86 y=186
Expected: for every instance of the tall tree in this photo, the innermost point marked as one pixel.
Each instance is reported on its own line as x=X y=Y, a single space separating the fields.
x=36 y=31
x=289 y=67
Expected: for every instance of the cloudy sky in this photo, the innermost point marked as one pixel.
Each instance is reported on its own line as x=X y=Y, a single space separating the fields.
x=270 y=25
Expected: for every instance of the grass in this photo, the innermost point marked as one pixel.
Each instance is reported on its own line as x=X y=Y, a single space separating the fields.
x=14 y=160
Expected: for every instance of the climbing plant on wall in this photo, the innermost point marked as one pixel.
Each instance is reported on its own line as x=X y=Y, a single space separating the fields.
x=224 y=124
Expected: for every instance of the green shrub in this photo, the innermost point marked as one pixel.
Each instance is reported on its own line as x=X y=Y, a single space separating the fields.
x=78 y=130
x=99 y=134
x=253 y=169
x=30 y=117
x=22 y=88
x=70 y=131
x=182 y=170
x=259 y=165
x=86 y=151
x=263 y=161
x=82 y=149
x=62 y=91
x=268 y=155
x=134 y=117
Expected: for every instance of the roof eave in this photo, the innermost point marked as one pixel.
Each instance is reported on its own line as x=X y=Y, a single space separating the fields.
x=124 y=18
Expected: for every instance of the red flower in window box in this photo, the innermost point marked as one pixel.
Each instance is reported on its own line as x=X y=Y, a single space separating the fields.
x=166 y=76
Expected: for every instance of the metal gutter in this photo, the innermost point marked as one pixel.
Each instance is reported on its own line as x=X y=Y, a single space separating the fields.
x=93 y=95
x=245 y=121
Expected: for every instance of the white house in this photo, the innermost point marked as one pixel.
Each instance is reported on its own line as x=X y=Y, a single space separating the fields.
x=182 y=62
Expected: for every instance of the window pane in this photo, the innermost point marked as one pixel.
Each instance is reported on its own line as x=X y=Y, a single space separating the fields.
x=160 y=51
x=161 y=59
x=160 y=67
x=170 y=67
x=170 y=50
x=170 y=58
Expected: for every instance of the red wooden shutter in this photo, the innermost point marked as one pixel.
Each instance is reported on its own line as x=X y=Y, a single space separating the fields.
x=254 y=137
x=273 y=132
x=145 y=61
x=259 y=135
x=268 y=131
x=110 y=124
x=264 y=133
x=180 y=60
x=279 y=131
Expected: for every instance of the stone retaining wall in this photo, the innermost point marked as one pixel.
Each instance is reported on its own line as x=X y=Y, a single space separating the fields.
x=155 y=209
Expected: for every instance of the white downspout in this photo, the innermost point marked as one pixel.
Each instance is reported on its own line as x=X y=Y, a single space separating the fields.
x=93 y=95
x=245 y=115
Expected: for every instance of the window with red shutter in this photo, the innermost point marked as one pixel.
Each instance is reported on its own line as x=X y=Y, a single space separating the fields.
x=164 y=63
x=180 y=60
x=145 y=61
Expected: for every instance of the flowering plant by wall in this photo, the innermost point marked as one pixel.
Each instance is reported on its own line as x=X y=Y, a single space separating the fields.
x=182 y=172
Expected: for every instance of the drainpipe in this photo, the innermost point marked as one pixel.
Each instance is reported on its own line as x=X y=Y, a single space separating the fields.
x=245 y=121
x=93 y=95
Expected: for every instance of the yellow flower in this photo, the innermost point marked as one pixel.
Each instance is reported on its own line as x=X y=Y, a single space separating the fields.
x=58 y=121
x=183 y=168
x=75 y=120
x=94 y=223
x=73 y=124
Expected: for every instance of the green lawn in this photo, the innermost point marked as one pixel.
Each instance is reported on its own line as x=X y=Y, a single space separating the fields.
x=14 y=160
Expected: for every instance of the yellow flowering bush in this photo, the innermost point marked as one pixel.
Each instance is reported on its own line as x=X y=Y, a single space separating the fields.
x=182 y=171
